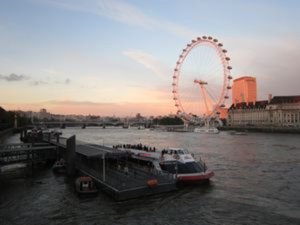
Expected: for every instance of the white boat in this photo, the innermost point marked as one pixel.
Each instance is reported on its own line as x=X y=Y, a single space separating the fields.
x=177 y=161
x=238 y=132
x=207 y=130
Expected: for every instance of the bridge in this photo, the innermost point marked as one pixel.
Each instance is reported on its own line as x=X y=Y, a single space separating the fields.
x=83 y=124
x=29 y=153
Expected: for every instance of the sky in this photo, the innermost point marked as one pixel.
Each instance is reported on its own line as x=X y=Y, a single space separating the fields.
x=114 y=57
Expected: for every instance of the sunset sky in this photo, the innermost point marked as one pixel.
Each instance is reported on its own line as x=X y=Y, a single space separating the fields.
x=113 y=57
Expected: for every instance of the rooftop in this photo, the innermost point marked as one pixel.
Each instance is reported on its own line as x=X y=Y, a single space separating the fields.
x=285 y=99
x=93 y=151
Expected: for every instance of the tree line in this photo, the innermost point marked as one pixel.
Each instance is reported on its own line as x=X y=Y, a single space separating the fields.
x=7 y=119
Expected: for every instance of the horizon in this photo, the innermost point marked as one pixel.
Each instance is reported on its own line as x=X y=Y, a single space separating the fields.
x=117 y=57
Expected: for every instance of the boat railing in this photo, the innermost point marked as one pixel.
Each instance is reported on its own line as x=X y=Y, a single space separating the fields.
x=122 y=179
x=202 y=164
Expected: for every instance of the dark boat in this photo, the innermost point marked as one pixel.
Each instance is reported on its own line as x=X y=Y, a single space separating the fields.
x=59 y=167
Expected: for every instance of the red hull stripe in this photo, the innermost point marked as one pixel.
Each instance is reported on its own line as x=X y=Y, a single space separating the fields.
x=205 y=176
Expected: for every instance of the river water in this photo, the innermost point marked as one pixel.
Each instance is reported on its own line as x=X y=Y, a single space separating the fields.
x=257 y=181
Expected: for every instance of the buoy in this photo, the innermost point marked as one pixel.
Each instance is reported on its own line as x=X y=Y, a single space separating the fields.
x=152 y=183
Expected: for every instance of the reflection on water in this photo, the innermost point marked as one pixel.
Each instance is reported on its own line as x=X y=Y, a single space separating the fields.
x=256 y=182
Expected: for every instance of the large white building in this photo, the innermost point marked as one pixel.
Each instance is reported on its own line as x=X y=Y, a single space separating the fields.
x=279 y=111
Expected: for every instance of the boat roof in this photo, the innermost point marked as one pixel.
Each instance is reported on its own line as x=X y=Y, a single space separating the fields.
x=97 y=151
x=174 y=149
x=84 y=178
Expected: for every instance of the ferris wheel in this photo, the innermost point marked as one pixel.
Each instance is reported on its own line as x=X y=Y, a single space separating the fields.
x=201 y=80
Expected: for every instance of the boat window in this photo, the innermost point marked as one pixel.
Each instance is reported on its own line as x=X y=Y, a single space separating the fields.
x=185 y=151
x=190 y=167
x=184 y=168
x=180 y=152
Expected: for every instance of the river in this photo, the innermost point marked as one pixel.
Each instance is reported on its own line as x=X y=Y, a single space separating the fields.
x=257 y=181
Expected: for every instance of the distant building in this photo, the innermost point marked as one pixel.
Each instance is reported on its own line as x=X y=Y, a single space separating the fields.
x=285 y=111
x=43 y=114
x=279 y=111
x=244 y=90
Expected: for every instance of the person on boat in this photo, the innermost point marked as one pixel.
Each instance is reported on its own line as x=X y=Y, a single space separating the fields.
x=85 y=185
x=126 y=170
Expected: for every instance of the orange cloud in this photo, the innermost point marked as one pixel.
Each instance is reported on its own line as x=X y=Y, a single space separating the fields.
x=96 y=108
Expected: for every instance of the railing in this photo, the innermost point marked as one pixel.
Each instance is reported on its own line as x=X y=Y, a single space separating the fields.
x=121 y=179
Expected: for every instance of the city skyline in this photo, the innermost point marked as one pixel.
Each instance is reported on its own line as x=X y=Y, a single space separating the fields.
x=117 y=57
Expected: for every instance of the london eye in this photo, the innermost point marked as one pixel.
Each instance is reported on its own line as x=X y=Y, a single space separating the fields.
x=201 y=80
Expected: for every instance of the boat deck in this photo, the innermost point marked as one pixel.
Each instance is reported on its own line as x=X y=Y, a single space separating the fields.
x=121 y=182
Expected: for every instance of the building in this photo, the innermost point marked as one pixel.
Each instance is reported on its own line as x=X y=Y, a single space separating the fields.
x=252 y=114
x=284 y=111
x=244 y=90
x=279 y=111
x=43 y=114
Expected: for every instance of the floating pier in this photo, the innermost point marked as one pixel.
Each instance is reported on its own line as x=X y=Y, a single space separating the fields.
x=117 y=176
x=110 y=168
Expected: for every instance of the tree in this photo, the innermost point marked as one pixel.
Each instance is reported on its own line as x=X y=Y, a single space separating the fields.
x=168 y=121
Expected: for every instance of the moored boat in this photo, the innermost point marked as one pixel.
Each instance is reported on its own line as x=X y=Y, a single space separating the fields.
x=206 y=130
x=59 y=167
x=176 y=161
x=238 y=132
x=85 y=185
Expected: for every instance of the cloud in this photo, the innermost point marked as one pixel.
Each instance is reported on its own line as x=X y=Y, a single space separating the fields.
x=39 y=82
x=149 y=61
x=121 y=12
x=274 y=63
x=54 y=72
x=67 y=81
x=14 y=77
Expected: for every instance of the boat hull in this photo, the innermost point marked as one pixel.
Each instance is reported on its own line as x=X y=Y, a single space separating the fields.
x=85 y=186
x=195 y=178
x=206 y=130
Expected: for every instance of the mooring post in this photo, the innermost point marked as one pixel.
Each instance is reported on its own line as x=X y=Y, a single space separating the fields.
x=71 y=155
x=57 y=138
x=21 y=134
x=25 y=135
x=103 y=157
